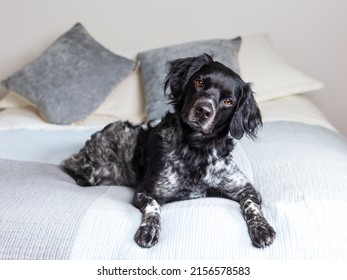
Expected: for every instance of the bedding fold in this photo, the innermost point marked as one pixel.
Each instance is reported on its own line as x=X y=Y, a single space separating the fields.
x=40 y=210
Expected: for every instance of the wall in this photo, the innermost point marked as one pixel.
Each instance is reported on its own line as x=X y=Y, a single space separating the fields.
x=310 y=34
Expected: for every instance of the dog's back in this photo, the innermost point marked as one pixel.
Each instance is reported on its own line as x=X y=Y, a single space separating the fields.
x=108 y=157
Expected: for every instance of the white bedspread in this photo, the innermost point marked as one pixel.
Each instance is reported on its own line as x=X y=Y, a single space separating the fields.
x=300 y=170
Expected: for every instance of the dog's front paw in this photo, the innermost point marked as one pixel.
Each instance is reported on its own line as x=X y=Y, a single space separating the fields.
x=147 y=236
x=261 y=232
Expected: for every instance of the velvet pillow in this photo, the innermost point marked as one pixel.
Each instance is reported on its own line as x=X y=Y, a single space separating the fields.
x=71 y=78
x=153 y=67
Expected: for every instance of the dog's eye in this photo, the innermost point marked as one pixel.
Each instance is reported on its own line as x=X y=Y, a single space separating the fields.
x=227 y=102
x=199 y=83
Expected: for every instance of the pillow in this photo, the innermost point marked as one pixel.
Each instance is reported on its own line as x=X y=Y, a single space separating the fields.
x=153 y=67
x=3 y=92
x=13 y=100
x=126 y=102
x=271 y=76
x=71 y=78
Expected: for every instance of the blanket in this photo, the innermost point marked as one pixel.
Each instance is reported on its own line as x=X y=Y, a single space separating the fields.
x=300 y=170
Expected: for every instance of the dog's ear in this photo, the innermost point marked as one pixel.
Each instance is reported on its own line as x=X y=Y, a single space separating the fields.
x=179 y=72
x=247 y=116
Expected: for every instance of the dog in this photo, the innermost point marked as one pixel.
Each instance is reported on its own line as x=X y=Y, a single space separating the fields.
x=187 y=154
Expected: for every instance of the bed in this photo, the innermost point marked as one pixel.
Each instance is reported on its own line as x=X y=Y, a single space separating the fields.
x=298 y=163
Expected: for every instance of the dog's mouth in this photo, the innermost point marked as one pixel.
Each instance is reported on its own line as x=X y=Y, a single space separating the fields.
x=198 y=127
x=206 y=130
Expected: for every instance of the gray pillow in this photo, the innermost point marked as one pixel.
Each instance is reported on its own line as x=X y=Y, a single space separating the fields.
x=71 y=78
x=153 y=67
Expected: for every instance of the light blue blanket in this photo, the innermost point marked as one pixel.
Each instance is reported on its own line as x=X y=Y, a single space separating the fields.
x=300 y=170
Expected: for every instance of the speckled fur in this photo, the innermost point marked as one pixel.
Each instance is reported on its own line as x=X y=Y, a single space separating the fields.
x=107 y=158
x=187 y=155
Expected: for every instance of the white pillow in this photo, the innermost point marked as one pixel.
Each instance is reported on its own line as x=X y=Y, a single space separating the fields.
x=270 y=75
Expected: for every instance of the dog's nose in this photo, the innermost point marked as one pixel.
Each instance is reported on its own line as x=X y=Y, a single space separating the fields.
x=204 y=110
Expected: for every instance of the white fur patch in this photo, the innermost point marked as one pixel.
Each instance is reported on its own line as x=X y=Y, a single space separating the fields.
x=251 y=207
x=153 y=208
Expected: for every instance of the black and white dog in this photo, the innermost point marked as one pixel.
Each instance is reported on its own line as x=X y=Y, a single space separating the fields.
x=187 y=155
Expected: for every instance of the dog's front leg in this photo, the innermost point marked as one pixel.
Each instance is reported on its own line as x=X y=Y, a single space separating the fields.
x=261 y=232
x=148 y=233
x=237 y=187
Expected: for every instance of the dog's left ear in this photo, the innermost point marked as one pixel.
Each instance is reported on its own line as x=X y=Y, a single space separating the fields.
x=247 y=117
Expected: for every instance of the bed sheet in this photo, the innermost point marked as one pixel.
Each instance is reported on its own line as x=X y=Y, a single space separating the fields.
x=45 y=215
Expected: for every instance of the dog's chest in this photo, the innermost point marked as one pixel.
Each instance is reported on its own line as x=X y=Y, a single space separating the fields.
x=187 y=175
x=219 y=169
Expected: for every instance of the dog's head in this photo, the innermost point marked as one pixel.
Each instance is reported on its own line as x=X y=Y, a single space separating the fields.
x=211 y=98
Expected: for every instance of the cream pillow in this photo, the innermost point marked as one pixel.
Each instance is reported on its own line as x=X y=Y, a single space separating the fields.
x=126 y=102
x=13 y=100
x=270 y=75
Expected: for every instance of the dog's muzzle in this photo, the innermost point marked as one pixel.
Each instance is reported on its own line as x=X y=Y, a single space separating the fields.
x=202 y=115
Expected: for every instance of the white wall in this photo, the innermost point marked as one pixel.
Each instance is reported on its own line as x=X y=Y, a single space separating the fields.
x=310 y=34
